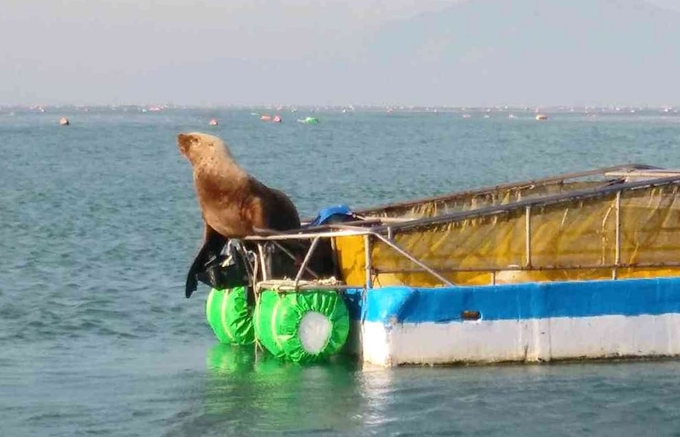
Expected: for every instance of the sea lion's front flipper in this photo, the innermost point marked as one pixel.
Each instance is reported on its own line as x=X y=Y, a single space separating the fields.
x=213 y=243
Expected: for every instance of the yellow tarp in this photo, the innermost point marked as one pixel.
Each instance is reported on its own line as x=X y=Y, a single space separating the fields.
x=572 y=240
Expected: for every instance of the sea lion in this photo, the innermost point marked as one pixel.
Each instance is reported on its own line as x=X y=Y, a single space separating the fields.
x=233 y=203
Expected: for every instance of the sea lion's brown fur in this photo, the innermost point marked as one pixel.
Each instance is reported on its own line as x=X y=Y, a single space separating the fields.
x=233 y=203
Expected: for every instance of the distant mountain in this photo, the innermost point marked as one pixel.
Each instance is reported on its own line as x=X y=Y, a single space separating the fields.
x=537 y=52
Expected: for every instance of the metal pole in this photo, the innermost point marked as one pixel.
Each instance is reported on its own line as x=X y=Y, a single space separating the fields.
x=367 y=257
x=414 y=260
x=617 y=256
x=315 y=242
x=293 y=257
x=527 y=242
x=263 y=264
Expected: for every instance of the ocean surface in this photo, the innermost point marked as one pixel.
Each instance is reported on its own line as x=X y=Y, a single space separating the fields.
x=99 y=223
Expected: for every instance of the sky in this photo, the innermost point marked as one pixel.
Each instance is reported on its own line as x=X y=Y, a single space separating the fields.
x=339 y=52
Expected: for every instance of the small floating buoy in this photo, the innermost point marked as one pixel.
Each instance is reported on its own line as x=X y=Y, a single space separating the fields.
x=63 y=121
x=541 y=117
x=308 y=120
x=213 y=122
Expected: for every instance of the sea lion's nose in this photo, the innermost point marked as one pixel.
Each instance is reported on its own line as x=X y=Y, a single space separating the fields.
x=183 y=142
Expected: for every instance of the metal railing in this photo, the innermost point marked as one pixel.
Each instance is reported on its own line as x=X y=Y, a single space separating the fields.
x=383 y=231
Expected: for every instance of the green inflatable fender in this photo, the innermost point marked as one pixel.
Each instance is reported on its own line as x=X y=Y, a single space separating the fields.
x=303 y=326
x=229 y=316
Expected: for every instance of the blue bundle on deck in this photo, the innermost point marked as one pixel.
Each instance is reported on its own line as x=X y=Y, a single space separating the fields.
x=334 y=214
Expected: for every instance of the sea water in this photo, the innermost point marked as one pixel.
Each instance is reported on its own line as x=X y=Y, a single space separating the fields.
x=99 y=223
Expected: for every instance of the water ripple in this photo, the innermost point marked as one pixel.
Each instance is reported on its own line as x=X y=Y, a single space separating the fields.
x=100 y=223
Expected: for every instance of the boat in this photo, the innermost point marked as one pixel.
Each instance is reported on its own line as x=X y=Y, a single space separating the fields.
x=308 y=120
x=270 y=119
x=63 y=121
x=541 y=117
x=575 y=266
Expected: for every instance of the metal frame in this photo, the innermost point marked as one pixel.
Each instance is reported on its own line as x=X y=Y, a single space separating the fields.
x=592 y=193
x=527 y=241
x=617 y=244
x=367 y=253
x=305 y=261
x=368 y=261
x=616 y=171
x=291 y=256
x=377 y=230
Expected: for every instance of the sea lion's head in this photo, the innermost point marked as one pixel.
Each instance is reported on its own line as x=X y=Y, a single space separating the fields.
x=197 y=146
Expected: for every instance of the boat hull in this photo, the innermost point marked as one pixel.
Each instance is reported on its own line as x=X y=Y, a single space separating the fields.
x=528 y=322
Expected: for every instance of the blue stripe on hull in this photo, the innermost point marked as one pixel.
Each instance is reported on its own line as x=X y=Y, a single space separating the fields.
x=631 y=297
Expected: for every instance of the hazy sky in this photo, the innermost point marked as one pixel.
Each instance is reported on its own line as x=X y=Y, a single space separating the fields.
x=326 y=52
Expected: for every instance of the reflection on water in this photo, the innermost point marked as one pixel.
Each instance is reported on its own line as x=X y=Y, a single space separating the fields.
x=224 y=360
x=255 y=392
